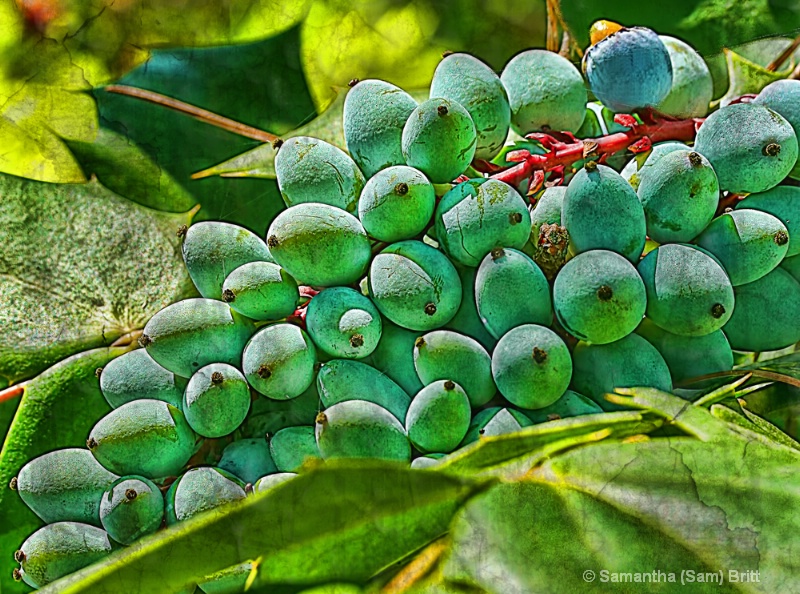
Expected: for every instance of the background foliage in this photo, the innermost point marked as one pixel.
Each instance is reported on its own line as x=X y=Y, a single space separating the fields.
x=93 y=186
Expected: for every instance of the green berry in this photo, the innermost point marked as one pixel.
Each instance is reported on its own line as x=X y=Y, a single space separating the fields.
x=467 y=321
x=217 y=400
x=248 y=459
x=261 y=291
x=135 y=375
x=438 y=417
x=343 y=323
x=640 y=163
x=279 y=361
x=491 y=422
x=397 y=203
x=266 y=483
x=782 y=202
x=292 y=446
x=783 y=97
x=426 y=461
x=200 y=489
x=547 y=208
x=131 y=508
x=394 y=356
x=692 y=86
x=571 y=404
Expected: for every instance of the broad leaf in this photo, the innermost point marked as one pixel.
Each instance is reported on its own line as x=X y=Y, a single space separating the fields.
x=753 y=422
x=746 y=77
x=79 y=268
x=57 y=410
x=340 y=522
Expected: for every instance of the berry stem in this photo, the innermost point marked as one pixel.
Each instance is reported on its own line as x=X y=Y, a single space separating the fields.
x=12 y=392
x=565 y=154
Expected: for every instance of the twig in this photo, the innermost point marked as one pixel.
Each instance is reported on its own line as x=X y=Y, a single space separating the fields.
x=785 y=55
x=12 y=392
x=199 y=113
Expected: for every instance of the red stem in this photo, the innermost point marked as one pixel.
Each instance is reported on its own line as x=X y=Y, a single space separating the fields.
x=564 y=154
x=12 y=392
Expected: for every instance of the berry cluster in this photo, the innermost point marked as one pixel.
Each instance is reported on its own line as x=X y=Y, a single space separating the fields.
x=435 y=285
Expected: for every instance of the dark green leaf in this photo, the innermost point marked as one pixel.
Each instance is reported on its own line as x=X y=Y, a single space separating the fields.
x=80 y=267
x=57 y=410
x=753 y=422
x=339 y=522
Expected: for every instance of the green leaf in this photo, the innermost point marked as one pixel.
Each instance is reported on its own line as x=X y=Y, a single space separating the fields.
x=339 y=522
x=80 y=267
x=260 y=161
x=746 y=77
x=753 y=422
x=539 y=441
x=127 y=170
x=57 y=410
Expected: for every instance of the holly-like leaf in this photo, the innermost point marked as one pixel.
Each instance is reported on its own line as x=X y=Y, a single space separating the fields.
x=340 y=522
x=79 y=268
x=57 y=410
x=745 y=77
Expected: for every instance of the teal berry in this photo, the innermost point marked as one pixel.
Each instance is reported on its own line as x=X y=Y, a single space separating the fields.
x=692 y=86
x=531 y=366
x=439 y=139
x=265 y=483
x=448 y=355
x=212 y=249
x=144 y=437
x=361 y=429
x=688 y=291
x=629 y=70
x=396 y=203
x=261 y=291
x=438 y=417
x=279 y=361
x=291 y=447
x=750 y=147
x=767 y=313
x=679 y=195
x=571 y=404
x=131 y=508
x=627 y=363
x=190 y=334
x=59 y=549
x=319 y=245
x=599 y=297
x=468 y=81
x=375 y=112
x=642 y=162
x=201 y=489
x=248 y=459
x=64 y=485
x=414 y=285
x=135 y=375
x=783 y=97
x=394 y=356
x=748 y=243
x=217 y=400
x=782 y=202
x=689 y=356
x=426 y=461
x=601 y=211
x=312 y=170
x=547 y=208
x=340 y=380
x=511 y=290
x=268 y=416
x=467 y=321
x=343 y=323
x=494 y=421
x=545 y=92
x=479 y=215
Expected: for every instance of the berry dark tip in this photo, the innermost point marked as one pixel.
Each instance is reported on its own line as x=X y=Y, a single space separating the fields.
x=442 y=110
x=482 y=431
x=717 y=310
x=248 y=488
x=590 y=166
x=321 y=418
x=19 y=556
x=264 y=372
x=228 y=296
x=144 y=340
x=130 y=494
x=357 y=340
x=448 y=385
x=781 y=238
x=401 y=189
x=91 y=443
x=695 y=159
x=12 y=484
x=497 y=252
x=272 y=241
x=430 y=309
x=773 y=149
x=515 y=218
x=604 y=293
x=17 y=575
x=419 y=342
x=446 y=53
x=539 y=355
x=277 y=143
x=181 y=232
x=217 y=378
x=353 y=82
x=553 y=417
x=98 y=372
x=727 y=210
